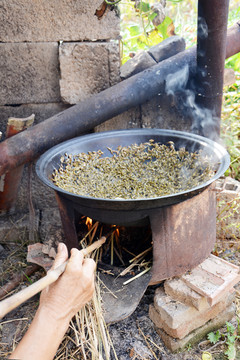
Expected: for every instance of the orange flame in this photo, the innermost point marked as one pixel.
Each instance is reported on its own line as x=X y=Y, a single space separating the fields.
x=88 y=223
x=116 y=234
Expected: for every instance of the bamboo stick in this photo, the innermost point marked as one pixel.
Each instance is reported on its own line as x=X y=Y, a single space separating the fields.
x=112 y=245
x=137 y=276
x=17 y=299
x=139 y=255
x=130 y=267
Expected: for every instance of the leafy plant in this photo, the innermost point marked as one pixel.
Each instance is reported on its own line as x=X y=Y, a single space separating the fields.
x=139 y=29
x=143 y=25
x=229 y=338
x=189 y=347
x=214 y=337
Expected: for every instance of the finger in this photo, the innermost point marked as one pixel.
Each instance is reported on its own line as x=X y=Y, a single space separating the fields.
x=89 y=264
x=61 y=257
x=76 y=260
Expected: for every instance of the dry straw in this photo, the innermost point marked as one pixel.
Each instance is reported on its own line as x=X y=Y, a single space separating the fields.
x=88 y=337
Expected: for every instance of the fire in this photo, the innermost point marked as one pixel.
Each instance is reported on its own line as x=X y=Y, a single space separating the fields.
x=116 y=232
x=89 y=223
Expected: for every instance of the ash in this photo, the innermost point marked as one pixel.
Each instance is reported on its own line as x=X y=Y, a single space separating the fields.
x=135 y=337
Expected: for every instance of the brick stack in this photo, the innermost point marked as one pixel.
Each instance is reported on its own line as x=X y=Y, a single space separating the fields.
x=187 y=308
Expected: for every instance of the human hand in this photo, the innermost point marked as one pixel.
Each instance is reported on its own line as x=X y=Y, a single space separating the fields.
x=59 y=302
x=73 y=289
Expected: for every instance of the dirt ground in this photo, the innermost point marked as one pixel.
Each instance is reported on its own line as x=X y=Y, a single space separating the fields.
x=133 y=338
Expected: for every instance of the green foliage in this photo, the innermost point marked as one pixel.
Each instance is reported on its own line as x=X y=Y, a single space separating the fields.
x=230 y=328
x=189 y=347
x=138 y=29
x=234 y=12
x=233 y=17
x=163 y=27
x=143 y=7
x=233 y=62
x=227 y=217
x=214 y=337
x=175 y=1
x=230 y=337
x=231 y=352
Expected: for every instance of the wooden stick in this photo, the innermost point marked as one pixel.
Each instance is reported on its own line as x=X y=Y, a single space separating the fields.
x=139 y=255
x=15 y=300
x=129 y=268
x=137 y=276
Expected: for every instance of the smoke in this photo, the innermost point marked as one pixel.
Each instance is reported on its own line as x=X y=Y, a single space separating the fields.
x=202 y=28
x=187 y=91
x=182 y=88
x=178 y=81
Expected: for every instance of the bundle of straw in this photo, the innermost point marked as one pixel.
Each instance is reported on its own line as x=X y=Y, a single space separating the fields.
x=88 y=336
x=90 y=330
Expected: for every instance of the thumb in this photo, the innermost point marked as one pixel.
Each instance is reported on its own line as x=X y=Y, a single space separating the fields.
x=61 y=257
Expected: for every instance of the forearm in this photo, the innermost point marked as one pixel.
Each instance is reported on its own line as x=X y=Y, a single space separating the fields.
x=42 y=338
x=58 y=304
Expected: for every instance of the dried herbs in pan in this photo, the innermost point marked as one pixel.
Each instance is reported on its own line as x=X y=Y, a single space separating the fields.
x=142 y=171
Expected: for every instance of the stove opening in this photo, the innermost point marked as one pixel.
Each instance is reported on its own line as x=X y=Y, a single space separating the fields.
x=127 y=250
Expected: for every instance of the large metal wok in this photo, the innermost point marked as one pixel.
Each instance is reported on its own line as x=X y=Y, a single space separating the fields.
x=129 y=211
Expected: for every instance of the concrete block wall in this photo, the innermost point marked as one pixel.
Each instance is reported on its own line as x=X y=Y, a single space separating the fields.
x=50 y=21
x=56 y=54
x=53 y=54
x=87 y=68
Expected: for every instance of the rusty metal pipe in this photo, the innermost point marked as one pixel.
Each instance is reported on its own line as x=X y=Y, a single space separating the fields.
x=91 y=112
x=211 y=54
x=233 y=40
x=83 y=117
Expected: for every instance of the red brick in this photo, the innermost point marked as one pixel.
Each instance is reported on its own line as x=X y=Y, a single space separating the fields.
x=178 y=319
x=189 y=323
x=197 y=335
x=180 y=291
x=213 y=278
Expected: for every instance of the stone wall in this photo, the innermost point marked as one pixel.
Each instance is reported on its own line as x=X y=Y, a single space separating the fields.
x=47 y=48
x=53 y=54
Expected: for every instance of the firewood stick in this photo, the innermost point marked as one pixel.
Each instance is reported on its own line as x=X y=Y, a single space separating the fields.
x=15 y=300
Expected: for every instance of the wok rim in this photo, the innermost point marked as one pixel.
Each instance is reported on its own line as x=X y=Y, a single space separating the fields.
x=217 y=148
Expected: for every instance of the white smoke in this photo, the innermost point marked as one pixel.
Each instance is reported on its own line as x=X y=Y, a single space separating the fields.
x=177 y=81
x=203 y=120
x=202 y=28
